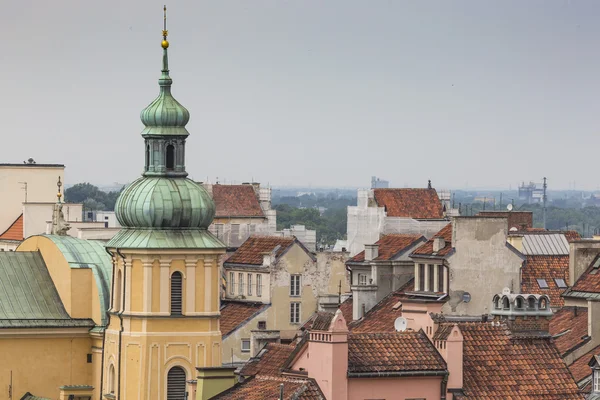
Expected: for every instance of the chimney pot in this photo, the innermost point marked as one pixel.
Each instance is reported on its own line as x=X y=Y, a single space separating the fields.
x=438 y=244
x=371 y=251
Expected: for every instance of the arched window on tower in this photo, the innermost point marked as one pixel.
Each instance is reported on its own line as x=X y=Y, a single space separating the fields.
x=176 y=384
x=170 y=157
x=147 y=157
x=111 y=379
x=176 y=289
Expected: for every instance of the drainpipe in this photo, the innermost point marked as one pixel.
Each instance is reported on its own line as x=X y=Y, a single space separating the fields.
x=443 y=386
x=120 y=314
x=108 y=315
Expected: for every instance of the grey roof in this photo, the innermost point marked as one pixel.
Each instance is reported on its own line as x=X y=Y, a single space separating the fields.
x=553 y=244
x=29 y=396
x=28 y=297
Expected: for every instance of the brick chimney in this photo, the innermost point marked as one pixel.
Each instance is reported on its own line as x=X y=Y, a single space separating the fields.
x=438 y=244
x=523 y=313
x=328 y=355
x=454 y=358
x=371 y=251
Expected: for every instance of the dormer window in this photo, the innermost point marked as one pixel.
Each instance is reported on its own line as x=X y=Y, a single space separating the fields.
x=170 y=157
x=531 y=302
x=596 y=378
x=543 y=303
x=505 y=303
x=519 y=303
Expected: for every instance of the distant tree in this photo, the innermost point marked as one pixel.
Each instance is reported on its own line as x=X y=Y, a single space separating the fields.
x=92 y=197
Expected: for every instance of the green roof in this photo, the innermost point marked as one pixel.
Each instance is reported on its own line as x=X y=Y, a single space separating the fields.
x=28 y=297
x=81 y=253
x=165 y=239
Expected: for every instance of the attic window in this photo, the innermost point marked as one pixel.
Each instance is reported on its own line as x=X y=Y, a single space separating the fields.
x=596 y=381
x=542 y=283
x=560 y=283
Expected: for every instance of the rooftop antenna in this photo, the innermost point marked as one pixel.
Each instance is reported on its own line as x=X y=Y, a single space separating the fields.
x=544 y=200
x=429 y=184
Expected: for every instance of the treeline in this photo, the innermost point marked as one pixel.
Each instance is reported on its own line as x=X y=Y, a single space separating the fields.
x=92 y=197
x=330 y=225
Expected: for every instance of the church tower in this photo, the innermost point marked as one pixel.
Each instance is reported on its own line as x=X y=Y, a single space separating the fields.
x=164 y=314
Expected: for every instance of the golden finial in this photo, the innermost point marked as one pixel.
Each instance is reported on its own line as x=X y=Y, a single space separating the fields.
x=58 y=185
x=165 y=42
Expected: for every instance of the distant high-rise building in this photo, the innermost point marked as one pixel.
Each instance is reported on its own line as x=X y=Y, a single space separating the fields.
x=377 y=183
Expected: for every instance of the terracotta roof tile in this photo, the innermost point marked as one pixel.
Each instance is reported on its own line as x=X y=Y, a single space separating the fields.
x=346 y=308
x=520 y=220
x=569 y=326
x=497 y=366
x=381 y=317
x=234 y=314
x=410 y=203
x=572 y=236
x=252 y=250
x=14 y=231
x=548 y=268
x=580 y=368
x=268 y=387
x=236 y=201
x=589 y=281
x=390 y=245
x=269 y=361
x=391 y=352
x=427 y=248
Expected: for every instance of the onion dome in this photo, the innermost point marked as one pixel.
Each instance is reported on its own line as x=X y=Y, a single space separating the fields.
x=158 y=202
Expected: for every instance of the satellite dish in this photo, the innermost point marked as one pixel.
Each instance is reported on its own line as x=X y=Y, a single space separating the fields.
x=400 y=324
x=509 y=207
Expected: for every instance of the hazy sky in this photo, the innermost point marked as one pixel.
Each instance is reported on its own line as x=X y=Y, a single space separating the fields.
x=484 y=93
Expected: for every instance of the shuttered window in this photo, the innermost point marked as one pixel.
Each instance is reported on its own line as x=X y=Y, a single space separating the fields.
x=258 y=285
x=176 y=384
x=176 y=288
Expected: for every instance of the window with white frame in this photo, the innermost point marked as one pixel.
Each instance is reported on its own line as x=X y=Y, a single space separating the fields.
x=245 y=345
x=596 y=381
x=219 y=230
x=231 y=283
x=249 y=284
x=362 y=279
x=294 y=313
x=259 y=285
x=294 y=285
x=240 y=283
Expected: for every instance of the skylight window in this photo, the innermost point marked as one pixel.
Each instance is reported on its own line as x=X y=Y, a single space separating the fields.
x=560 y=283
x=542 y=283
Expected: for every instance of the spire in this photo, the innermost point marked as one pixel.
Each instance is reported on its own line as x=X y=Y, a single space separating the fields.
x=165 y=80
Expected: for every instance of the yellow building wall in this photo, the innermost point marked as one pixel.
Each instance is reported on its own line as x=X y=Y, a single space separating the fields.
x=152 y=341
x=41 y=364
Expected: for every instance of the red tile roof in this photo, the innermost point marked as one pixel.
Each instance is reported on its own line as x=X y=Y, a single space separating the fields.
x=548 y=268
x=346 y=308
x=572 y=236
x=392 y=352
x=236 y=201
x=589 y=281
x=14 y=231
x=410 y=203
x=520 y=220
x=580 y=368
x=269 y=361
x=268 y=387
x=427 y=248
x=390 y=245
x=381 y=317
x=252 y=250
x=498 y=366
x=235 y=314
x=569 y=326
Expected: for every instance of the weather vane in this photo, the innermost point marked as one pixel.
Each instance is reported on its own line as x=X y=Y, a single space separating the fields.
x=165 y=42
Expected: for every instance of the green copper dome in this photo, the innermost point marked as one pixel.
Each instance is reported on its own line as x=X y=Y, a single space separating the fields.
x=167 y=203
x=165 y=116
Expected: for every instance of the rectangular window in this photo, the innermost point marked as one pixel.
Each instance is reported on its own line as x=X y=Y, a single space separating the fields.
x=219 y=230
x=249 y=284
x=421 y=277
x=245 y=345
x=542 y=283
x=262 y=325
x=259 y=285
x=441 y=279
x=294 y=285
x=89 y=358
x=431 y=276
x=240 y=284
x=596 y=380
x=294 y=313
x=362 y=279
x=560 y=283
x=231 y=283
